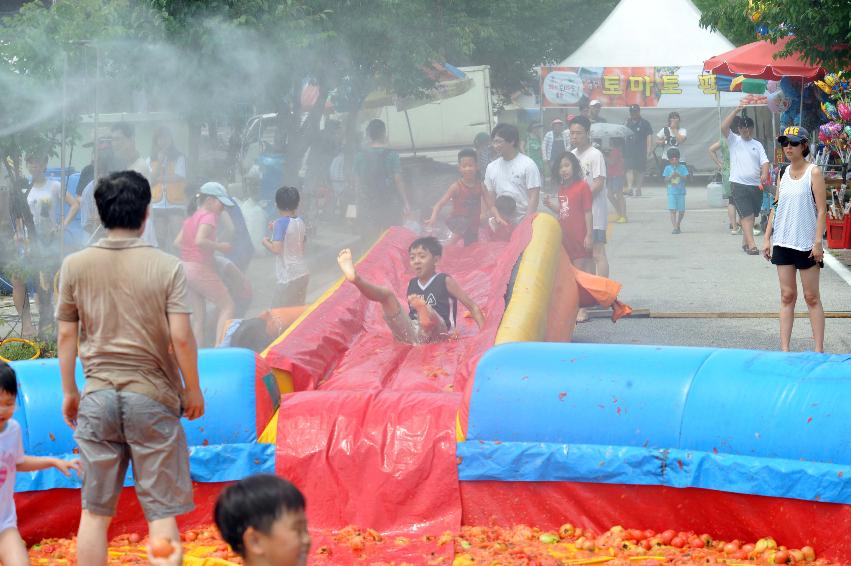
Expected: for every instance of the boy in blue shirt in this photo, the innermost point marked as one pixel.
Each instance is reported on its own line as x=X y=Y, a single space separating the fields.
x=675 y=175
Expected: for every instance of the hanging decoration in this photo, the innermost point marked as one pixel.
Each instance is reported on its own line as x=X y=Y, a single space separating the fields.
x=836 y=133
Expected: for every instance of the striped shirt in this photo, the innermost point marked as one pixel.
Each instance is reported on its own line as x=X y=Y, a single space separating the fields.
x=547 y=146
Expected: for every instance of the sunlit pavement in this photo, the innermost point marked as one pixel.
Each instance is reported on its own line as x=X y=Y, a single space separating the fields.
x=702 y=270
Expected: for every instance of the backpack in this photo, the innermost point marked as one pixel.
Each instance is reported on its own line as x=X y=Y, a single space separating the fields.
x=376 y=181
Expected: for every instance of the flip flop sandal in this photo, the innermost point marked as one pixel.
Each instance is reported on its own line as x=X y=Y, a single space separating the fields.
x=753 y=251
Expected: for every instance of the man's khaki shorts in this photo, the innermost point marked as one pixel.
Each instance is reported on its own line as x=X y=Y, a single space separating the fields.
x=409 y=331
x=117 y=427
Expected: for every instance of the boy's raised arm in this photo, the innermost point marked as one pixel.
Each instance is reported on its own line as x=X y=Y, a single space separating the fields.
x=456 y=291
x=440 y=204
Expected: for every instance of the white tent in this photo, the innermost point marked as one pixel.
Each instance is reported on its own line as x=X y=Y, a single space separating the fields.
x=650 y=32
x=667 y=34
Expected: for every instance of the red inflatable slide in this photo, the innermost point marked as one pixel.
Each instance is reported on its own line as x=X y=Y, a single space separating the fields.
x=369 y=434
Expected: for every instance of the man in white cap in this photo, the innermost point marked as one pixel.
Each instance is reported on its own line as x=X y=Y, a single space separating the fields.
x=748 y=173
x=556 y=144
x=594 y=107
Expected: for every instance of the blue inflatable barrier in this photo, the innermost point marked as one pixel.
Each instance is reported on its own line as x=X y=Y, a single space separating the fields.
x=743 y=421
x=222 y=444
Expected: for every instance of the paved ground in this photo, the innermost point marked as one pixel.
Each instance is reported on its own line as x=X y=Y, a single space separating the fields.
x=702 y=270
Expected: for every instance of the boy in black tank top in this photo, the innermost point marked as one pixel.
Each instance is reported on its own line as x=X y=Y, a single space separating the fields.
x=432 y=296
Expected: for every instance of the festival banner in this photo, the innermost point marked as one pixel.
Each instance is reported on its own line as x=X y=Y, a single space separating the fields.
x=649 y=87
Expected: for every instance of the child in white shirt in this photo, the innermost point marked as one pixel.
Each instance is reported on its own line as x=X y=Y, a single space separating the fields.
x=13 y=551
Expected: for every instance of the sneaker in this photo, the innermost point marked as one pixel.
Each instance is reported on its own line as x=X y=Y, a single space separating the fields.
x=621 y=220
x=734 y=231
x=675 y=231
x=757 y=231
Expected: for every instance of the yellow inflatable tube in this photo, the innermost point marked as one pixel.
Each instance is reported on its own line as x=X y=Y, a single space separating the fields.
x=544 y=277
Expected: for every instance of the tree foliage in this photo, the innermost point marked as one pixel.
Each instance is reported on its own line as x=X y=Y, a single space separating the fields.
x=36 y=43
x=820 y=29
x=205 y=57
x=515 y=37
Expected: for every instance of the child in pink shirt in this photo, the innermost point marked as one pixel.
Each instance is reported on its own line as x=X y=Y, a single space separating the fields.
x=197 y=244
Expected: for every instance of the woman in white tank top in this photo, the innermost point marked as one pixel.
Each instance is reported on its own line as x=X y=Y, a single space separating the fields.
x=794 y=233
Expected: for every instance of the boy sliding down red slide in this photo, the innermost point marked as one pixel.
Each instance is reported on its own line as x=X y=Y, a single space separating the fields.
x=432 y=297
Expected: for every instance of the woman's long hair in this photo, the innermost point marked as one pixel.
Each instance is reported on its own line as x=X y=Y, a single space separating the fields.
x=575 y=168
x=172 y=153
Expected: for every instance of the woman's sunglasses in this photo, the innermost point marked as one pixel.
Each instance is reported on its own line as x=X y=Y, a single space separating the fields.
x=784 y=143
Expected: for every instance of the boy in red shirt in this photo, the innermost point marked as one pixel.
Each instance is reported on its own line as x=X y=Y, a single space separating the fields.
x=466 y=194
x=573 y=209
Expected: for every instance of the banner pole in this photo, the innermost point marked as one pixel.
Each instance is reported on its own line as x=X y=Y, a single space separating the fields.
x=541 y=99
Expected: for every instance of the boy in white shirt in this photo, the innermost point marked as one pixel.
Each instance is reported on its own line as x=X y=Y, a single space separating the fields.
x=287 y=243
x=13 y=551
x=593 y=164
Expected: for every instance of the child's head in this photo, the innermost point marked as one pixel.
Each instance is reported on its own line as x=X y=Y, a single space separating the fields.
x=506 y=206
x=482 y=140
x=8 y=393
x=214 y=197
x=567 y=169
x=122 y=200
x=673 y=155
x=287 y=199
x=423 y=254
x=376 y=130
x=468 y=163
x=262 y=517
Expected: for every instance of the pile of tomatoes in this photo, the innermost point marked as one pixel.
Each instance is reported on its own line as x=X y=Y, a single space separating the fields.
x=474 y=545
x=617 y=546
x=200 y=546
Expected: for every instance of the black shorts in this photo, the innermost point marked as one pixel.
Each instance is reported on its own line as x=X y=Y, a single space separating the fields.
x=465 y=227
x=635 y=162
x=788 y=256
x=747 y=198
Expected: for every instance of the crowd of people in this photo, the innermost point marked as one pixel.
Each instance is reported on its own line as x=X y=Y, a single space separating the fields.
x=200 y=223
x=500 y=182
x=123 y=306
x=586 y=180
x=135 y=314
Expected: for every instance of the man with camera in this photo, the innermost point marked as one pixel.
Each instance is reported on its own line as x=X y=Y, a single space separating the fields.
x=638 y=150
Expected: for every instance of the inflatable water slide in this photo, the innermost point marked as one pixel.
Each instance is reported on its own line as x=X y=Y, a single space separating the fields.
x=504 y=425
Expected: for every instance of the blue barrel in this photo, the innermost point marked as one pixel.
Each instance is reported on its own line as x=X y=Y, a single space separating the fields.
x=272 y=175
x=745 y=421
x=222 y=444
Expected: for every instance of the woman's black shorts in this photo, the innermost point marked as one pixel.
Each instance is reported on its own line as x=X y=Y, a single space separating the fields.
x=747 y=198
x=788 y=256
